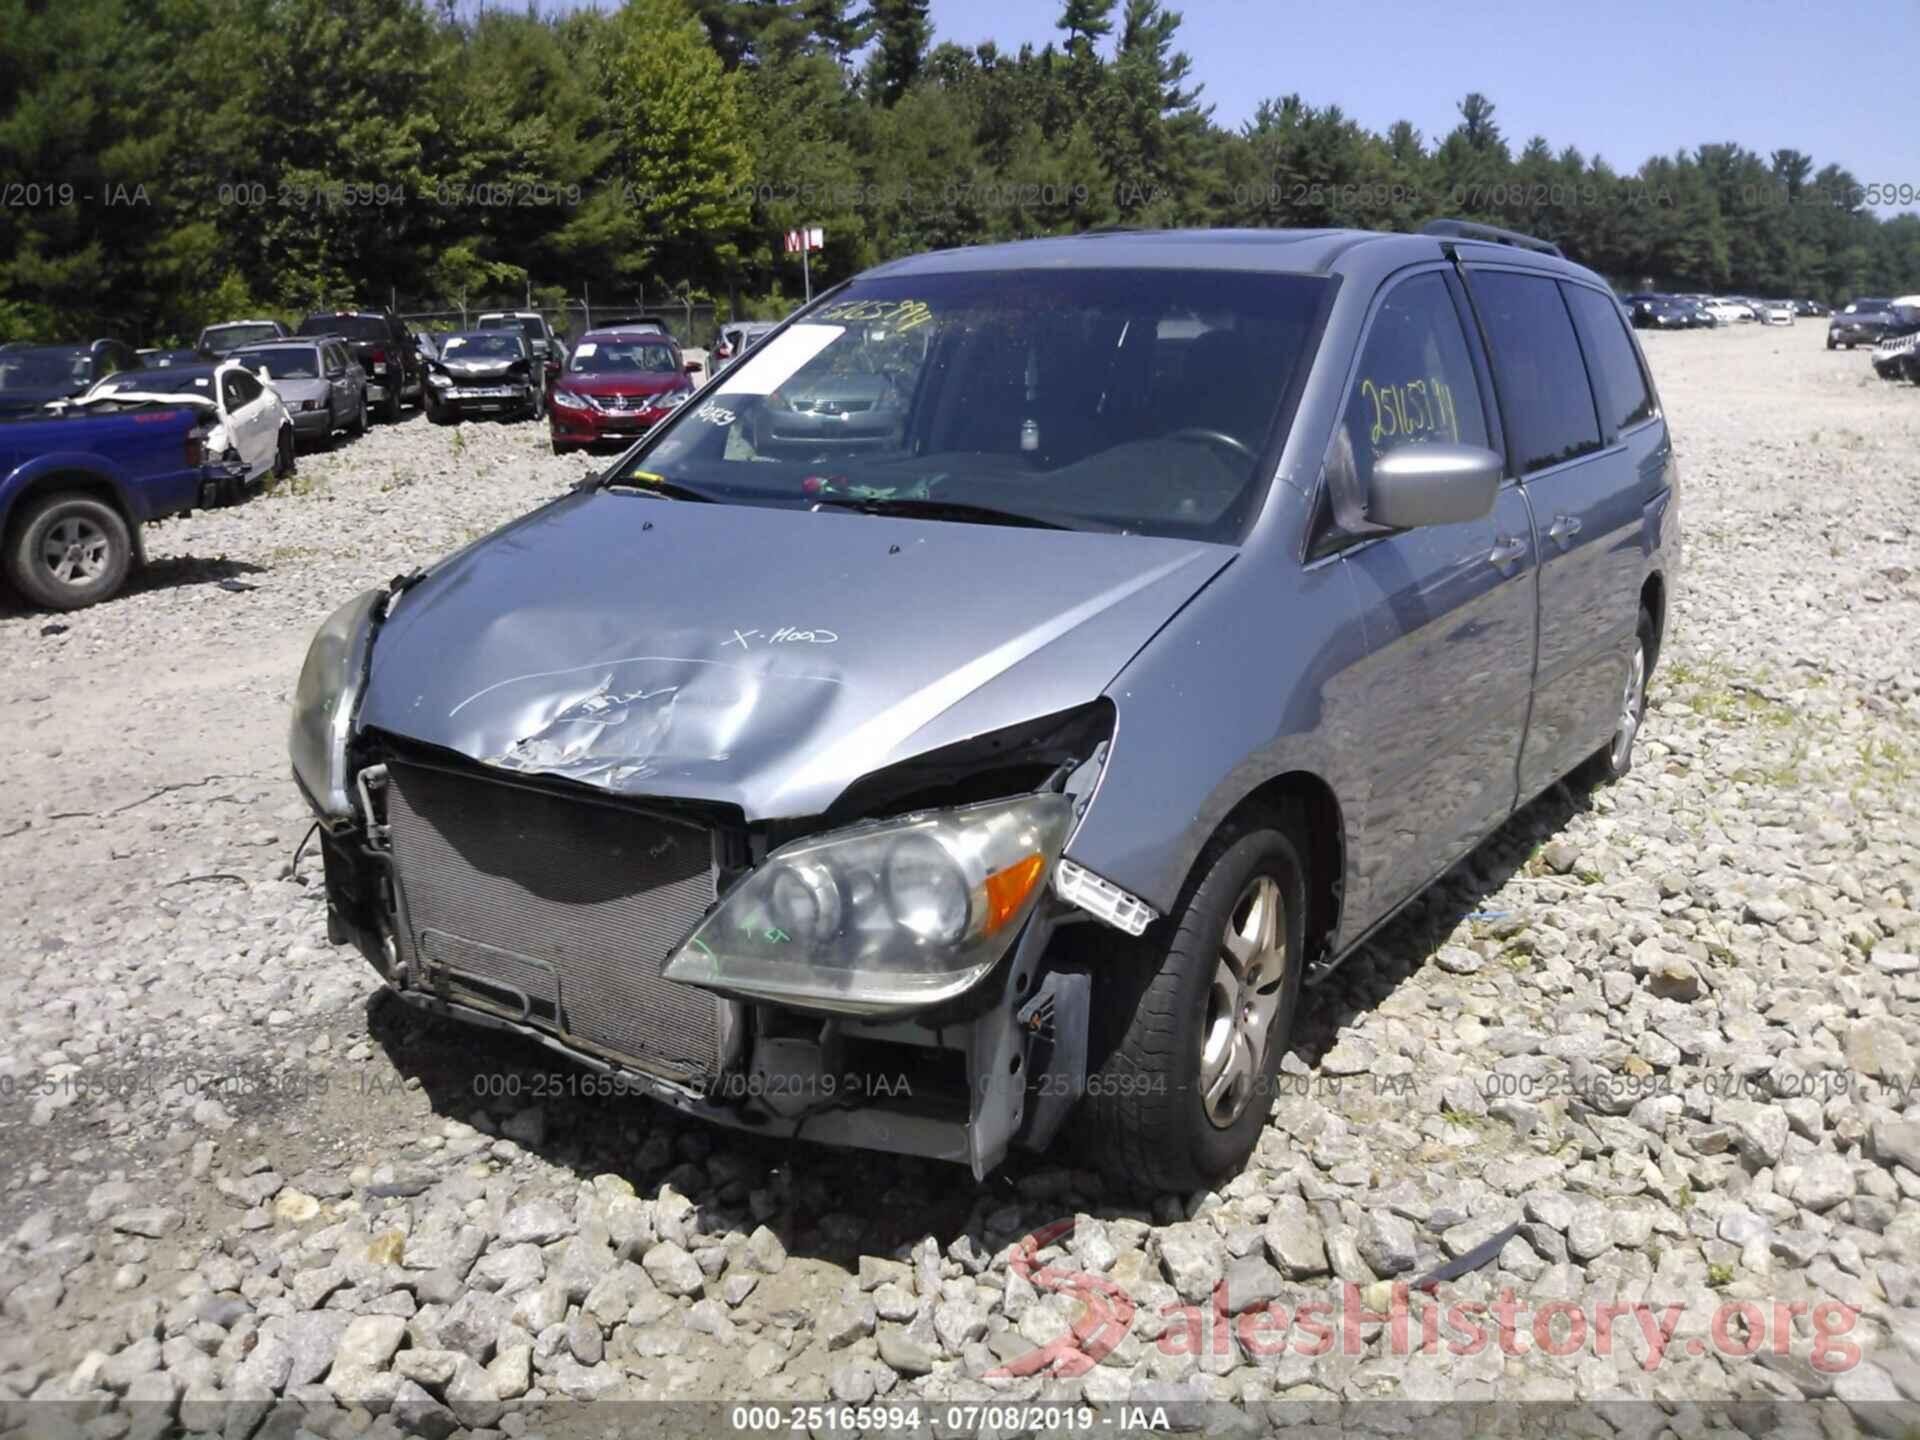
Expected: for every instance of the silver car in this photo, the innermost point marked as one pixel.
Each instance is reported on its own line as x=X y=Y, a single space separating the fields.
x=1206 y=597
x=323 y=387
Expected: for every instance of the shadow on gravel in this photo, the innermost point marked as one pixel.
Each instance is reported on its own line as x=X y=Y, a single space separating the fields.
x=179 y=570
x=1410 y=939
x=170 y=573
x=832 y=1204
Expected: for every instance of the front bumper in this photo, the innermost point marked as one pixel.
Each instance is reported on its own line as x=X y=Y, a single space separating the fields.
x=589 y=427
x=486 y=399
x=1001 y=1066
x=310 y=423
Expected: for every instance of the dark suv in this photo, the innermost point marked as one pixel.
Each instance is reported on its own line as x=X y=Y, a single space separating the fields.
x=385 y=348
x=1007 y=772
x=1861 y=323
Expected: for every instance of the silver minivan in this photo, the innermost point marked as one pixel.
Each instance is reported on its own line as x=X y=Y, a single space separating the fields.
x=990 y=701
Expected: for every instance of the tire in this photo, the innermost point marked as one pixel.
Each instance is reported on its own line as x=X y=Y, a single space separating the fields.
x=1830 y=344
x=1146 y=1121
x=390 y=407
x=560 y=447
x=284 y=463
x=1613 y=760
x=98 y=554
x=361 y=421
x=442 y=414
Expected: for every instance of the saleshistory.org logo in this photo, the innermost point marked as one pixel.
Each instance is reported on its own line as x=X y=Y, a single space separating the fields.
x=1104 y=1314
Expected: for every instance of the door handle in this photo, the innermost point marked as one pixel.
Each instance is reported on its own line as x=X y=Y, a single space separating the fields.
x=1565 y=527
x=1506 y=550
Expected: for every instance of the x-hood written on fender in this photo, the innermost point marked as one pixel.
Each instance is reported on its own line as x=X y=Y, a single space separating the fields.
x=764 y=658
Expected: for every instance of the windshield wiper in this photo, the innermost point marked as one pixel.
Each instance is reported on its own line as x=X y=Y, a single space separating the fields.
x=644 y=482
x=913 y=509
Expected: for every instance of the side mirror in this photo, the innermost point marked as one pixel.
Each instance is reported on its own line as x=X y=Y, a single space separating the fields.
x=1432 y=484
x=264 y=373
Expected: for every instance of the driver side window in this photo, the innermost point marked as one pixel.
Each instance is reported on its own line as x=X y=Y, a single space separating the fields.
x=1416 y=382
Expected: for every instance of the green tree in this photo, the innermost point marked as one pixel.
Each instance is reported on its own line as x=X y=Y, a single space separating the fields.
x=680 y=157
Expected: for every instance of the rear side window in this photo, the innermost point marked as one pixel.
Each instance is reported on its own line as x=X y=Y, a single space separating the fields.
x=1620 y=384
x=1416 y=381
x=1544 y=395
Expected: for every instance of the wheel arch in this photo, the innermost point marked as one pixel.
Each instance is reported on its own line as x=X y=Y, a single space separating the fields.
x=1306 y=808
x=57 y=481
x=1653 y=598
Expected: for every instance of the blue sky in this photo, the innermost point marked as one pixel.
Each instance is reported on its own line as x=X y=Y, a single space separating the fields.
x=1626 y=79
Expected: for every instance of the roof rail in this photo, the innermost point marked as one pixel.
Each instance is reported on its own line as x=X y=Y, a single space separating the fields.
x=1471 y=230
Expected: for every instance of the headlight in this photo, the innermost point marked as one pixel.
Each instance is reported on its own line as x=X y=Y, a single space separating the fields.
x=886 y=917
x=440 y=378
x=568 y=400
x=324 y=702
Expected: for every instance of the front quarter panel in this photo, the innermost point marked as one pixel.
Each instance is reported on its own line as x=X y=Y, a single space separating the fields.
x=1254 y=679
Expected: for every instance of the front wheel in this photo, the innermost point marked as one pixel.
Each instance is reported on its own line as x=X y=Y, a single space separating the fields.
x=1190 y=1024
x=69 y=551
x=390 y=407
x=283 y=461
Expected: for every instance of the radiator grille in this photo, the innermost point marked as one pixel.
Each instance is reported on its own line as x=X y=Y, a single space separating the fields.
x=572 y=903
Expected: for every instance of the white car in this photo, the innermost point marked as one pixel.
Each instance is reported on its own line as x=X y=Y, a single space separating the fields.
x=1777 y=312
x=1727 y=311
x=252 y=428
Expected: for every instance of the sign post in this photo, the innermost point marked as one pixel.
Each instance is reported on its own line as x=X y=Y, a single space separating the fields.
x=806 y=238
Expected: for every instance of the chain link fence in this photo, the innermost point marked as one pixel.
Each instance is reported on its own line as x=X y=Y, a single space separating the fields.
x=692 y=323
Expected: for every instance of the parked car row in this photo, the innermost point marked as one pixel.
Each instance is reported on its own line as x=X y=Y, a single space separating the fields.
x=1651 y=310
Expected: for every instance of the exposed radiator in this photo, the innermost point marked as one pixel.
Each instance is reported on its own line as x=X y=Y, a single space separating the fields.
x=572 y=904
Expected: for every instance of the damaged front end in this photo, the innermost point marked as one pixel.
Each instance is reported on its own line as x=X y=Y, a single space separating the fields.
x=887 y=973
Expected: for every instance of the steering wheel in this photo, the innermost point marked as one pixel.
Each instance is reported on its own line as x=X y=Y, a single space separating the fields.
x=1215 y=437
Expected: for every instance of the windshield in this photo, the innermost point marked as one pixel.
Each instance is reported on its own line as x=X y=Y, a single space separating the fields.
x=44 y=368
x=226 y=337
x=285 y=362
x=1136 y=400
x=482 y=347
x=609 y=357
x=354 y=327
x=1859 y=306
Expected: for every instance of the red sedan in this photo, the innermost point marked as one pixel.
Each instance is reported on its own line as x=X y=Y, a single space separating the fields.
x=618 y=383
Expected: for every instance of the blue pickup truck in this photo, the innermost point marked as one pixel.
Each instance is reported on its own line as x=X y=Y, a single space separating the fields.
x=75 y=490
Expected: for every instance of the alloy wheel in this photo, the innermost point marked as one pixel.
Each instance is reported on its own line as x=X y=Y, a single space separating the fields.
x=1633 y=702
x=1249 y=976
x=75 y=550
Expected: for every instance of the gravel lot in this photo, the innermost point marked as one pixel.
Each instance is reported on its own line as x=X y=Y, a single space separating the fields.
x=1665 y=1030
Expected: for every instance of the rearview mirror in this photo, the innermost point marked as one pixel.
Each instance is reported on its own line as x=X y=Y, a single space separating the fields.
x=1432 y=484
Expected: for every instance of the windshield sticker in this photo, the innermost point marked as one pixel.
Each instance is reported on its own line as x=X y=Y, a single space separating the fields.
x=895 y=314
x=1415 y=409
x=773 y=362
x=715 y=414
x=586 y=347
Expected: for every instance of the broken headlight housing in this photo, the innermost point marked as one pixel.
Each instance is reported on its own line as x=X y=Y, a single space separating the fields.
x=882 y=917
x=324 y=702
